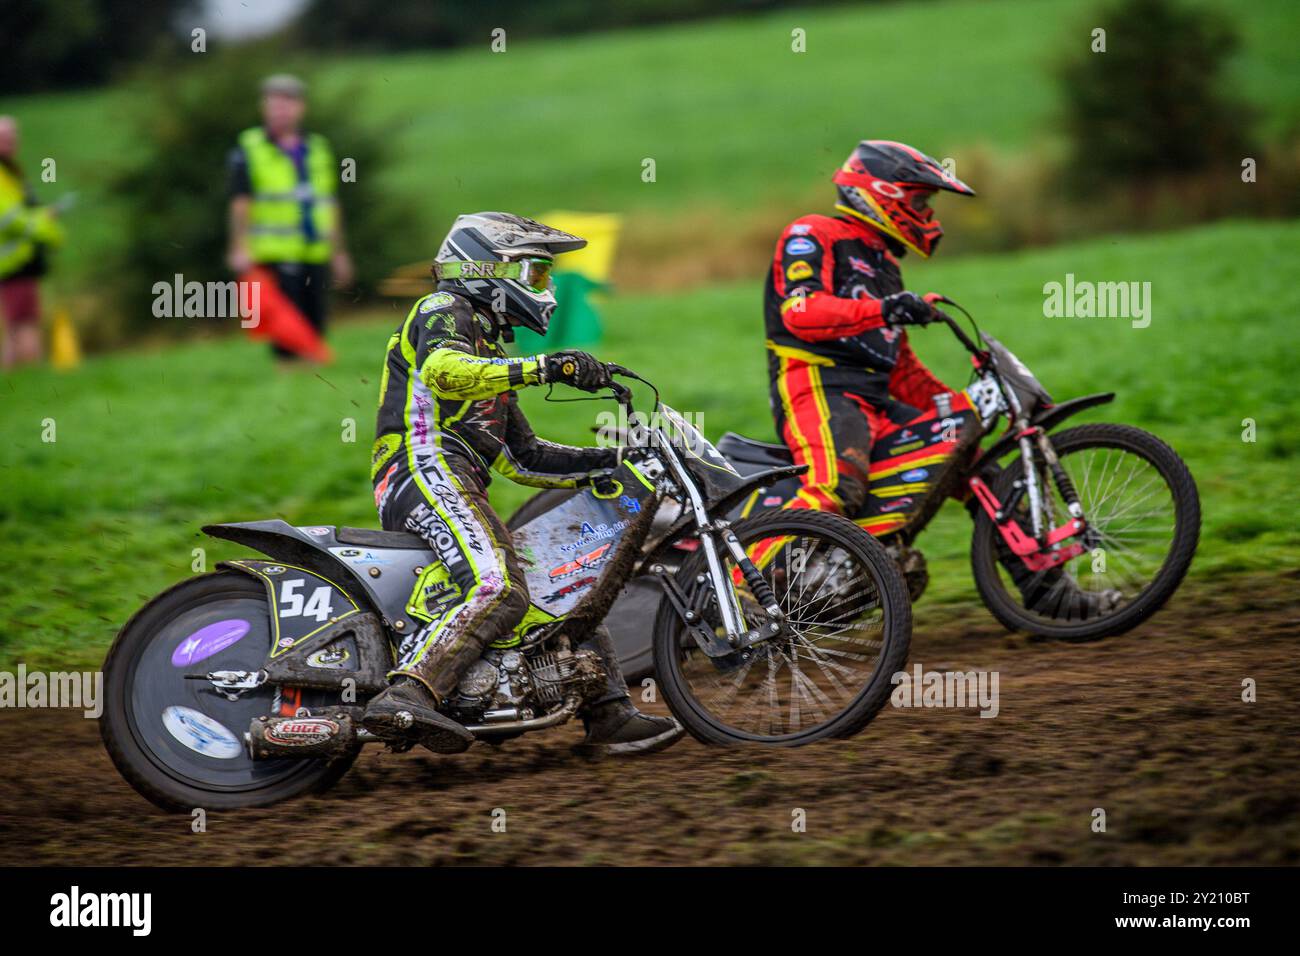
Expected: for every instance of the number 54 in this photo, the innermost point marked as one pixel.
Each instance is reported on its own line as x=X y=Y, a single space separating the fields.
x=292 y=604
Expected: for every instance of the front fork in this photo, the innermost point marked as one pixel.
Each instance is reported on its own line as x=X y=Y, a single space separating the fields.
x=738 y=636
x=733 y=619
x=1046 y=548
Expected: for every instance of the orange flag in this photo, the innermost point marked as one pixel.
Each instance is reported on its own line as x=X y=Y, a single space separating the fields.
x=278 y=319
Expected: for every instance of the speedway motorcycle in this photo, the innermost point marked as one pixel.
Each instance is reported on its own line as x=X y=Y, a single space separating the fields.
x=1080 y=533
x=246 y=686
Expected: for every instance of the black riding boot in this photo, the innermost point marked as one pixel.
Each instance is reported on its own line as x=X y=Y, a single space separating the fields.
x=614 y=726
x=407 y=710
x=1050 y=593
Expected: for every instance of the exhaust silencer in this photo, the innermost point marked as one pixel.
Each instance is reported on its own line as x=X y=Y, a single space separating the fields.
x=301 y=737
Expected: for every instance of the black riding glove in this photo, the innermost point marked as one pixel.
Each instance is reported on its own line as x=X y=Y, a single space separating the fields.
x=578 y=369
x=905 y=308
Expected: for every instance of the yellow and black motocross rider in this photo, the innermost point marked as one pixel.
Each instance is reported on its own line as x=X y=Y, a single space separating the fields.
x=448 y=416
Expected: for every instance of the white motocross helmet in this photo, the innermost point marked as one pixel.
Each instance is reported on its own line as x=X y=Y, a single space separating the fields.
x=503 y=262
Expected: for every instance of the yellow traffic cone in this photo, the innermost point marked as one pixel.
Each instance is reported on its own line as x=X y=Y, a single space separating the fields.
x=65 y=351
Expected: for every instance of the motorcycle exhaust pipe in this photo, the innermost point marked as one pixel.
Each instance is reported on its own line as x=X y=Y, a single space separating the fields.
x=557 y=716
x=301 y=737
x=337 y=734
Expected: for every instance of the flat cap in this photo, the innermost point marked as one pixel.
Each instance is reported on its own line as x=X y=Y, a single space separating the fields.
x=285 y=84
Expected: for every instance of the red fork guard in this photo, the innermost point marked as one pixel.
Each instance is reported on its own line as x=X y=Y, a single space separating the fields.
x=1021 y=544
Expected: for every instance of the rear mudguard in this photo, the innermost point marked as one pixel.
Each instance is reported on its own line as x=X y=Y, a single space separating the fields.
x=1046 y=419
x=375 y=569
x=320 y=637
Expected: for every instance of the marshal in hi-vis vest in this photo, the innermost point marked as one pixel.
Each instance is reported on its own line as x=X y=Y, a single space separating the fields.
x=276 y=231
x=22 y=227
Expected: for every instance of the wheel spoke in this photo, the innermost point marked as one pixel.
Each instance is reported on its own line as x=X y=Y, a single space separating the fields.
x=1130 y=507
x=825 y=656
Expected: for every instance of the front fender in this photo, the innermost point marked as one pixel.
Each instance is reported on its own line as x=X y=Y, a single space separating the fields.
x=1047 y=419
x=759 y=479
x=685 y=524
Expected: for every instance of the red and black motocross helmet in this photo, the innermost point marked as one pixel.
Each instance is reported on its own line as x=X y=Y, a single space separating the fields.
x=889 y=186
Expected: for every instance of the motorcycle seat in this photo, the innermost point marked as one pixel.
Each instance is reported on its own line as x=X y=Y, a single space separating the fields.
x=370 y=538
x=749 y=451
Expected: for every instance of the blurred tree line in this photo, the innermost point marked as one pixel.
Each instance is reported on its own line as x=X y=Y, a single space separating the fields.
x=78 y=43
x=1156 y=102
x=1154 y=134
x=414 y=24
x=50 y=44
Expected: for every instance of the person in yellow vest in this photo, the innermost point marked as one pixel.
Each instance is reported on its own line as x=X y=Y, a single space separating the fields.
x=284 y=212
x=27 y=232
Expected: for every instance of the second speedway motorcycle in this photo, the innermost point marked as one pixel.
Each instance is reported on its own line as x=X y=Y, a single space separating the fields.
x=1107 y=511
x=246 y=686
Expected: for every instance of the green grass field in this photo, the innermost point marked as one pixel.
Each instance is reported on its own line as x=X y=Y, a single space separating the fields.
x=734 y=120
x=152 y=444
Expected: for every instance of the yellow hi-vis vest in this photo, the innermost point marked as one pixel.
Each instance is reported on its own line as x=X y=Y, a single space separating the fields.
x=276 y=231
x=22 y=226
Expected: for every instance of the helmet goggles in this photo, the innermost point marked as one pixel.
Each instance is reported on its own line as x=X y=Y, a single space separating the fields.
x=533 y=272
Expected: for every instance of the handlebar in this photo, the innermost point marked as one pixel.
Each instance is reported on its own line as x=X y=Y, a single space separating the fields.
x=941 y=316
x=622 y=394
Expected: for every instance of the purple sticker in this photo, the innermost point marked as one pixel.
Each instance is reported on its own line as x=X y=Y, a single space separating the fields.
x=207 y=641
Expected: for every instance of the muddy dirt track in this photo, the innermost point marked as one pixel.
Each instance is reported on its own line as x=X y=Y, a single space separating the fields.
x=1150 y=727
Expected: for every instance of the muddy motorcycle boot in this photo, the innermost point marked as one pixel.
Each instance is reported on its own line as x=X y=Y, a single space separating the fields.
x=1051 y=593
x=1060 y=597
x=616 y=728
x=912 y=563
x=406 y=710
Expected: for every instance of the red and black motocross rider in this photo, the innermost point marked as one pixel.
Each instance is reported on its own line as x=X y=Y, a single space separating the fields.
x=851 y=399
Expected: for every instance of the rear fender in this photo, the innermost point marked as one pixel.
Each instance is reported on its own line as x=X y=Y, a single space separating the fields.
x=375 y=575
x=756 y=482
x=302 y=602
x=320 y=637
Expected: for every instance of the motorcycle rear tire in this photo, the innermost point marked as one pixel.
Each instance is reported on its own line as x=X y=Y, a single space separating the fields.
x=125 y=733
